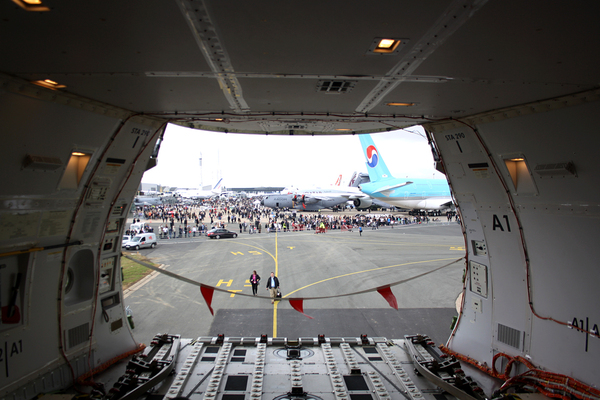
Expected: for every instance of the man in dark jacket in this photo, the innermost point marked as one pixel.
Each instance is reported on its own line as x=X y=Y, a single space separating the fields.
x=273 y=286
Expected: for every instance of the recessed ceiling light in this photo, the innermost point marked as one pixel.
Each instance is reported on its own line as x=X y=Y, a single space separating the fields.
x=343 y=129
x=382 y=46
x=78 y=153
x=387 y=44
x=396 y=104
x=31 y=5
x=49 y=83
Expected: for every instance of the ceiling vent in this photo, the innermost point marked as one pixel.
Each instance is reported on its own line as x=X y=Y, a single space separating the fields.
x=335 y=87
x=296 y=127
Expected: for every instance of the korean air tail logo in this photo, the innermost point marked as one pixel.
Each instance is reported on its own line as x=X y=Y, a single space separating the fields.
x=372 y=156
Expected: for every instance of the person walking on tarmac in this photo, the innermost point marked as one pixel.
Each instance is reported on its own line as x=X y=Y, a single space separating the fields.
x=254 y=279
x=360 y=230
x=273 y=286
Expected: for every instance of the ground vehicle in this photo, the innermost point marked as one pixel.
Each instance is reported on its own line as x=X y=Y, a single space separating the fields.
x=138 y=226
x=218 y=233
x=126 y=238
x=142 y=240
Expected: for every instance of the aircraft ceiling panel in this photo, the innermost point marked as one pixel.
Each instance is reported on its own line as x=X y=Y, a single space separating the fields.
x=302 y=95
x=334 y=39
x=454 y=98
x=133 y=55
x=98 y=37
x=150 y=95
x=521 y=42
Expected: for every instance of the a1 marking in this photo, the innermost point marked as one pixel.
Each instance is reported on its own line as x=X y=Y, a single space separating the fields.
x=579 y=326
x=16 y=348
x=498 y=224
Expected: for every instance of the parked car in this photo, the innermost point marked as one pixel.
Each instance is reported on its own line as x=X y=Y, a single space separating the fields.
x=142 y=240
x=219 y=233
x=126 y=238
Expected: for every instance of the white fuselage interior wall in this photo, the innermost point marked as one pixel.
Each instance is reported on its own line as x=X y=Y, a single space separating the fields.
x=40 y=212
x=558 y=213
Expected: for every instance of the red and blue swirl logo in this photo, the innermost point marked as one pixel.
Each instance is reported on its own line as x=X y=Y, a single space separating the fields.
x=372 y=156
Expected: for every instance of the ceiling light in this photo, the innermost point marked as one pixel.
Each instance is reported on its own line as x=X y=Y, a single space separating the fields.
x=49 y=83
x=343 y=129
x=386 y=46
x=31 y=5
x=386 y=43
x=78 y=153
x=517 y=159
x=396 y=104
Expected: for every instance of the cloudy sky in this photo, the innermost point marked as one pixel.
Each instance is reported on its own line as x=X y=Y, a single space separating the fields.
x=261 y=160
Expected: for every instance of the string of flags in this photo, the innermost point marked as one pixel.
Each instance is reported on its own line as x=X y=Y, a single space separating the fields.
x=297 y=303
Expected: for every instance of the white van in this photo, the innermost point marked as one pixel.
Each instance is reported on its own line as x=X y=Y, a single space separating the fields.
x=139 y=226
x=142 y=240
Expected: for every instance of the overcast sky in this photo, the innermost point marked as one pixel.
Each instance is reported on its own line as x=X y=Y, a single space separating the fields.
x=246 y=160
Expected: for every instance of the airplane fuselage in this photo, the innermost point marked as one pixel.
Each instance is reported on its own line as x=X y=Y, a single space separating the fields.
x=430 y=194
x=296 y=202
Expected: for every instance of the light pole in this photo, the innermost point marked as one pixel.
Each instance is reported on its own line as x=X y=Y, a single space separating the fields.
x=201 y=180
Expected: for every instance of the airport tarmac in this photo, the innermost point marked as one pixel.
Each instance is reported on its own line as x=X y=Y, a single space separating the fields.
x=308 y=265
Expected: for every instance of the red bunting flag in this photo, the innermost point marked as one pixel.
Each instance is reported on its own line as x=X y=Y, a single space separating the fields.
x=297 y=305
x=387 y=294
x=207 y=293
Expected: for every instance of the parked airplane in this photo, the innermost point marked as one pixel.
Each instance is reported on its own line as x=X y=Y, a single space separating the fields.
x=302 y=201
x=309 y=200
x=317 y=198
x=202 y=194
x=148 y=200
x=420 y=194
x=295 y=190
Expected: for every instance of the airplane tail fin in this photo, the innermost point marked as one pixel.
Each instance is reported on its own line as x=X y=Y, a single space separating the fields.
x=375 y=165
x=338 y=181
x=353 y=179
x=218 y=187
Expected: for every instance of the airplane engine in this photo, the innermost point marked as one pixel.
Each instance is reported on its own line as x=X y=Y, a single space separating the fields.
x=362 y=203
x=433 y=204
x=304 y=199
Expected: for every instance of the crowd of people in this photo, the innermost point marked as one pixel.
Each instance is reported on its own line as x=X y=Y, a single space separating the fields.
x=248 y=216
